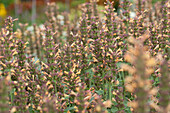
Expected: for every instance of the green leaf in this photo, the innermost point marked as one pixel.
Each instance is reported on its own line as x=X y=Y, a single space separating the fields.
x=127 y=110
x=69 y=108
x=114 y=109
x=12 y=94
x=31 y=110
x=91 y=99
x=100 y=92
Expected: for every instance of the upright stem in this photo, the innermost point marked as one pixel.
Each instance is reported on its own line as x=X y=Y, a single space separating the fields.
x=16 y=11
x=67 y=5
x=33 y=11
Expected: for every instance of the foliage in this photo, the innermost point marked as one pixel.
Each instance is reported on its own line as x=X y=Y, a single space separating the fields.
x=97 y=64
x=6 y=2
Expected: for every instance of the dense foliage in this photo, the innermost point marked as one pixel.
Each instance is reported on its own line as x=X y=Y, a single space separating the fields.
x=112 y=64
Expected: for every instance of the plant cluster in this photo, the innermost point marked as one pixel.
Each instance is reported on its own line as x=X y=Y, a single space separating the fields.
x=110 y=64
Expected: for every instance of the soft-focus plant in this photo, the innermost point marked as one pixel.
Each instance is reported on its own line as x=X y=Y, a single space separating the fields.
x=73 y=64
x=141 y=68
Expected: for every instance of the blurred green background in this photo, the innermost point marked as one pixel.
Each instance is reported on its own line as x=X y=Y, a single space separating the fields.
x=25 y=11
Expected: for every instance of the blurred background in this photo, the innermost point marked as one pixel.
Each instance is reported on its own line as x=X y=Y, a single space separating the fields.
x=33 y=11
